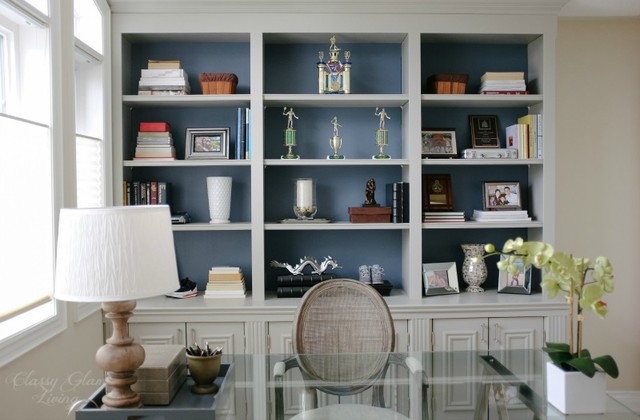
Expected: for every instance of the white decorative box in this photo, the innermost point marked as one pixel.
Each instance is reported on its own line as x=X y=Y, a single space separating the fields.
x=490 y=153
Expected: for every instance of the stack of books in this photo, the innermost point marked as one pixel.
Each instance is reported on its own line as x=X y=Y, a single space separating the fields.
x=296 y=285
x=398 y=200
x=225 y=282
x=503 y=83
x=501 y=216
x=155 y=141
x=137 y=193
x=442 y=216
x=517 y=138
x=164 y=77
x=534 y=132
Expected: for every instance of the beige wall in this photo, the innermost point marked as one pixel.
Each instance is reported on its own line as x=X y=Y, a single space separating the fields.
x=43 y=383
x=598 y=172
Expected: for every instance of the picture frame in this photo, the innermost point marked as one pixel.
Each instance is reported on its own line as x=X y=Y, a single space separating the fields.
x=439 y=143
x=207 y=143
x=517 y=283
x=436 y=192
x=501 y=195
x=440 y=278
x=484 y=131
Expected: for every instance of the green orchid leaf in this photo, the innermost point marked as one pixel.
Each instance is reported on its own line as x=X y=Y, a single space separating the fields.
x=607 y=364
x=583 y=364
x=556 y=347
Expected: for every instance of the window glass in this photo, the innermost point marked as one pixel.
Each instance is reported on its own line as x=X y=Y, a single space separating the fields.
x=88 y=24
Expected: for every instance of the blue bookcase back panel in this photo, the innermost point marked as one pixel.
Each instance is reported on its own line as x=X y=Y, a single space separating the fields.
x=314 y=130
x=349 y=248
x=197 y=252
x=189 y=189
x=337 y=189
x=292 y=68
x=196 y=58
x=473 y=59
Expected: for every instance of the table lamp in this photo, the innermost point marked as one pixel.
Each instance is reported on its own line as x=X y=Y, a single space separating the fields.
x=116 y=255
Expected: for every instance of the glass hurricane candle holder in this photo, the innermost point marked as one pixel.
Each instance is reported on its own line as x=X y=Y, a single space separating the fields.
x=304 y=205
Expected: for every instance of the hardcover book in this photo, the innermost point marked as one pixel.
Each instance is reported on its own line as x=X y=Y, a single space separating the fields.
x=302 y=279
x=154 y=126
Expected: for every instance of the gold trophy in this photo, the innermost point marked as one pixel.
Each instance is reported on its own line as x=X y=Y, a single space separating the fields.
x=334 y=76
x=382 y=135
x=335 y=141
x=289 y=134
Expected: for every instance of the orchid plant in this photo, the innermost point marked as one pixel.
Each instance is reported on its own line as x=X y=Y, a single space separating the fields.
x=566 y=274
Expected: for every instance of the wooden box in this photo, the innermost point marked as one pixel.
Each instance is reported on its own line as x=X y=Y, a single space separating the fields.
x=163 y=372
x=447 y=83
x=370 y=214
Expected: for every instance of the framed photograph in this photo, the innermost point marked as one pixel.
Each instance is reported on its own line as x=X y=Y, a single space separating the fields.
x=440 y=278
x=484 y=131
x=436 y=193
x=518 y=282
x=503 y=195
x=207 y=143
x=439 y=143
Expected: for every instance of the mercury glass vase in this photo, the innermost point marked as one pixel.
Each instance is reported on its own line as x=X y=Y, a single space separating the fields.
x=474 y=269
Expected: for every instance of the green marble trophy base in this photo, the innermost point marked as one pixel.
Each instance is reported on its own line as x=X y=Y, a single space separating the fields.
x=382 y=140
x=290 y=142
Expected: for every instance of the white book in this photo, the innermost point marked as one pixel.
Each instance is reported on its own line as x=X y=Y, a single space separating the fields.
x=164 y=73
x=163 y=81
x=225 y=269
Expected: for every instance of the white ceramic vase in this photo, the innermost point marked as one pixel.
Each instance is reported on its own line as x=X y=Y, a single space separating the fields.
x=219 y=193
x=575 y=392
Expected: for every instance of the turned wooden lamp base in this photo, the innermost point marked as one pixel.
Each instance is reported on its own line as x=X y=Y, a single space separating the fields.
x=120 y=357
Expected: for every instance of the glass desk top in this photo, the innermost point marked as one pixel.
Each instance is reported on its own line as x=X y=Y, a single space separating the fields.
x=459 y=385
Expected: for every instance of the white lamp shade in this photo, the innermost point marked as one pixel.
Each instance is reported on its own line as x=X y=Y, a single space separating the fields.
x=114 y=254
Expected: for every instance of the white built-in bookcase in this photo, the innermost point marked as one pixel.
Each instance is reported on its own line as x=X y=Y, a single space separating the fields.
x=274 y=55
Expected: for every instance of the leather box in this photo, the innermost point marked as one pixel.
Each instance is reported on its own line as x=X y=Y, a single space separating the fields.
x=370 y=214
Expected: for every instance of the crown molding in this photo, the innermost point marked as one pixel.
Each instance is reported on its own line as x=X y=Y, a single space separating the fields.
x=537 y=7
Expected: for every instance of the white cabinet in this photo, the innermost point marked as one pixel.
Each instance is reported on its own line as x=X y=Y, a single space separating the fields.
x=155 y=333
x=487 y=333
x=453 y=337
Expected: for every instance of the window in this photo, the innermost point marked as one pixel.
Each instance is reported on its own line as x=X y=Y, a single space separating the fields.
x=26 y=176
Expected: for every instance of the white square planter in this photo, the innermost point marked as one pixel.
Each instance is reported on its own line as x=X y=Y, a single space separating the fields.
x=575 y=392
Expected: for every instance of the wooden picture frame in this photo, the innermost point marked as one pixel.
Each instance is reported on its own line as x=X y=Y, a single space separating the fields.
x=436 y=192
x=440 y=278
x=501 y=195
x=439 y=143
x=207 y=143
x=518 y=282
x=484 y=131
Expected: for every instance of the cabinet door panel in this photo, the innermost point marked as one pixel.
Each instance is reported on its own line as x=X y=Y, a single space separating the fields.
x=516 y=333
x=158 y=333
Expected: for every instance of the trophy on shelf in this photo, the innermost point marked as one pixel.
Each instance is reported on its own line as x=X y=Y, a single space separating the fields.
x=289 y=134
x=335 y=141
x=382 y=135
x=334 y=76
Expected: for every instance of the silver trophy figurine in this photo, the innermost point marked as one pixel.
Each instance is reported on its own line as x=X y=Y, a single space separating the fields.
x=335 y=141
x=289 y=134
x=382 y=135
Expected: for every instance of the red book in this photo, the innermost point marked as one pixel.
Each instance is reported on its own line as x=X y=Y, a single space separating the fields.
x=154 y=126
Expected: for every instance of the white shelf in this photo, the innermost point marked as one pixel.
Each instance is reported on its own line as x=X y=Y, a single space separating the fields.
x=238 y=100
x=480 y=162
x=188 y=163
x=336 y=226
x=480 y=101
x=198 y=227
x=482 y=225
x=336 y=101
x=341 y=162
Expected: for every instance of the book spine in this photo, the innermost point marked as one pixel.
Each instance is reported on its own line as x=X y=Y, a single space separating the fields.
x=302 y=279
x=163 y=73
x=247 y=133
x=163 y=192
x=153 y=198
x=405 y=202
x=240 y=134
x=293 y=291
x=154 y=126
x=395 y=201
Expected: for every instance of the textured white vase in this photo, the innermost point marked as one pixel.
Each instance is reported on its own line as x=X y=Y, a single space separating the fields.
x=575 y=392
x=219 y=193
